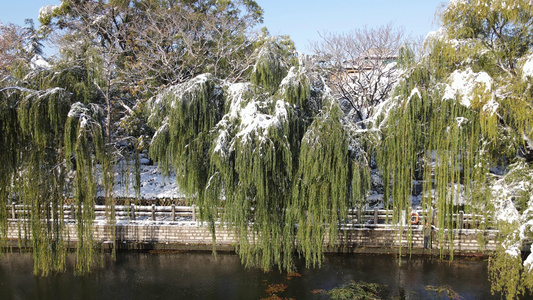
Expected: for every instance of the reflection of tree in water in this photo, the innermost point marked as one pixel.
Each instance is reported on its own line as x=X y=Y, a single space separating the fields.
x=441 y=291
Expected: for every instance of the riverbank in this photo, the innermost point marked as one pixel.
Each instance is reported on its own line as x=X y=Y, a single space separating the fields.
x=196 y=236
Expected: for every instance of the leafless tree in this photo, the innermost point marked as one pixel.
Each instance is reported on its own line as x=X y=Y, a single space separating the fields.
x=11 y=45
x=360 y=66
x=17 y=47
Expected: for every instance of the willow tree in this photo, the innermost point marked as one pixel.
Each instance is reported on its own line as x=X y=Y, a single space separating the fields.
x=35 y=115
x=8 y=154
x=432 y=139
x=236 y=149
x=460 y=123
x=248 y=170
x=328 y=183
x=503 y=30
x=33 y=174
x=84 y=144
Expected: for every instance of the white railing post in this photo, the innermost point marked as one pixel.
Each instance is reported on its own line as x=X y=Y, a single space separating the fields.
x=72 y=212
x=173 y=212
x=13 y=215
x=132 y=211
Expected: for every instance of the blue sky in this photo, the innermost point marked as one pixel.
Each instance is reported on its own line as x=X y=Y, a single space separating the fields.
x=16 y=11
x=301 y=19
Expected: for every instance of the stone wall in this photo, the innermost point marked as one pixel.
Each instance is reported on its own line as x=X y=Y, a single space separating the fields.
x=465 y=241
x=193 y=235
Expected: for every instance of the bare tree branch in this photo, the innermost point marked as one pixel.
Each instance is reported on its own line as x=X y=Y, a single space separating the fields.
x=360 y=65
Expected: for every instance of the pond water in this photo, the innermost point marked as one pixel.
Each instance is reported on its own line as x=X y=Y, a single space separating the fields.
x=199 y=275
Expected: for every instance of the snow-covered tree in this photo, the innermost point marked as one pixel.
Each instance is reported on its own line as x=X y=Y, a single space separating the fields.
x=264 y=157
x=178 y=40
x=60 y=122
x=459 y=125
x=160 y=43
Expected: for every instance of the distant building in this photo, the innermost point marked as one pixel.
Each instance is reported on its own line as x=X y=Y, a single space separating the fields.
x=373 y=58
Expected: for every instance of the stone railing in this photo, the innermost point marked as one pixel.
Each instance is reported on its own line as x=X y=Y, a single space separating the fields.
x=172 y=213
x=177 y=227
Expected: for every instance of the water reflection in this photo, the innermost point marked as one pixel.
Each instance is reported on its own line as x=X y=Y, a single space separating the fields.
x=200 y=276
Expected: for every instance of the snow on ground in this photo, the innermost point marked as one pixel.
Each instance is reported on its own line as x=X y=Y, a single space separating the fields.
x=153 y=184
